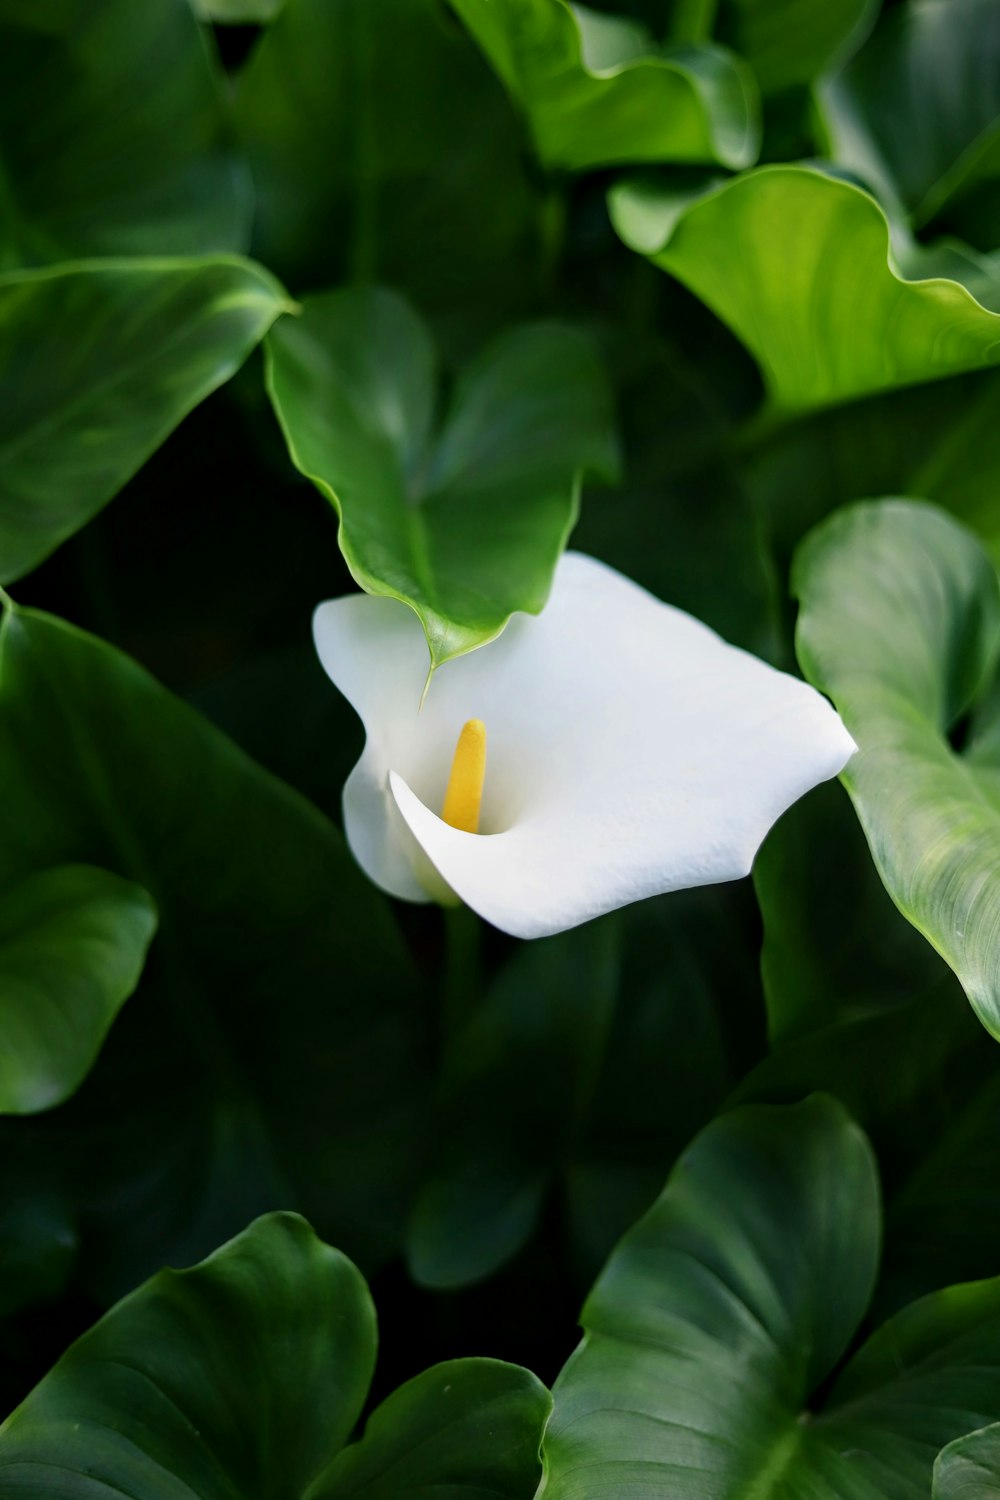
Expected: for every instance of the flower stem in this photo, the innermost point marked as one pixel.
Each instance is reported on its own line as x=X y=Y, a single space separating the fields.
x=461 y=972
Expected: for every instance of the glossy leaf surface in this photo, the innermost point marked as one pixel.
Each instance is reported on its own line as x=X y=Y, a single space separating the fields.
x=246 y=1375
x=468 y=1428
x=465 y=522
x=915 y=113
x=72 y=945
x=73 y=182
x=778 y=254
x=596 y=90
x=725 y=1308
x=203 y=1108
x=150 y=339
x=900 y=625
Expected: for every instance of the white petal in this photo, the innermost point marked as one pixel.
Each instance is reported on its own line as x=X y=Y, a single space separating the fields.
x=630 y=750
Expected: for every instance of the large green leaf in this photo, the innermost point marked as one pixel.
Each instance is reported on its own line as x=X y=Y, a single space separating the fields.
x=115 y=135
x=466 y=523
x=900 y=625
x=790 y=42
x=916 y=113
x=273 y=1054
x=99 y=363
x=72 y=945
x=721 y=1315
x=245 y=1376
x=383 y=149
x=780 y=254
x=596 y=90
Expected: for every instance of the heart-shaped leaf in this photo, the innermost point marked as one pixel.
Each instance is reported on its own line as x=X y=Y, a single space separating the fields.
x=596 y=90
x=75 y=182
x=915 y=112
x=900 y=625
x=205 y=1107
x=726 y=1308
x=245 y=1376
x=778 y=254
x=787 y=42
x=150 y=339
x=465 y=523
x=72 y=944
x=383 y=148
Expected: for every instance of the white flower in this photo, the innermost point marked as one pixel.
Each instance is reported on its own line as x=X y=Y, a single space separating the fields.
x=631 y=751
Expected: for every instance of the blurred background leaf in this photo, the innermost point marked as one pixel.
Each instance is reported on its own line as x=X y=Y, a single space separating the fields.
x=466 y=524
x=273 y=1055
x=72 y=944
x=597 y=90
x=100 y=362
x=916 y=113
x=383 y=150
x=117 y=137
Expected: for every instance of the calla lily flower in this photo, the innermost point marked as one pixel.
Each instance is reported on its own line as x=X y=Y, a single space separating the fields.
x=608 y=749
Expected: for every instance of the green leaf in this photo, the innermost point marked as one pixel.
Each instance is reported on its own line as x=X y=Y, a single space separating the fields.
x=595 y=89
x=969 y=1468
x=900 y=625
x=72 y=945
x=383 y=149
x=789 y=42
x=915 y=113
x=150 y=340
x=128 y=150
x=725 y=1310
x=466 y=523
x=246 y=1376
x=469 y=1426
x=779 y=254
x=273 y=1054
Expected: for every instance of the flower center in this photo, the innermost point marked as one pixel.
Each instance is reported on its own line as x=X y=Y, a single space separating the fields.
x=464 y=794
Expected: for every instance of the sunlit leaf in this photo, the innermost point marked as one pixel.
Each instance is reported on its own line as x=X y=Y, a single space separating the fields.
x=465 y=522
x=72 y=945
x=116 y=138
x=100 y=362
x=780 y=255
x=596 y=89
x=900 y=625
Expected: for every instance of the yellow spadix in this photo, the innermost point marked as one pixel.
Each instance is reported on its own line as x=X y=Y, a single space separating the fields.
x=464 y=796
